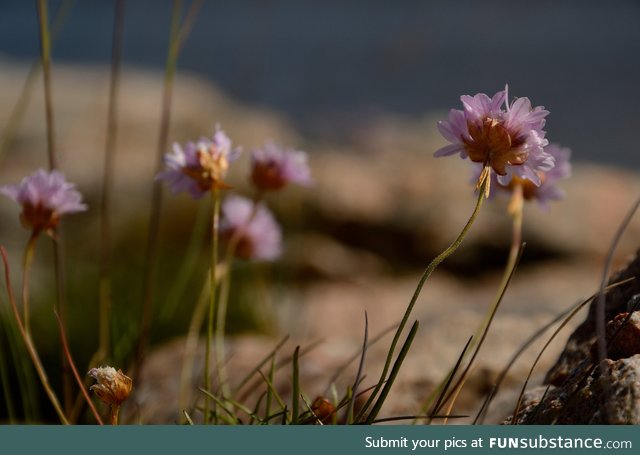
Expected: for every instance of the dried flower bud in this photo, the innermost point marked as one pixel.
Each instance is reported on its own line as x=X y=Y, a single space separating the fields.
x=113 y=387
x=323 y=409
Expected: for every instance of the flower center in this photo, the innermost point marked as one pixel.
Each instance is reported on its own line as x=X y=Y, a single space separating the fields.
x=210 y=170
x=38 y=217
x=529 y=188
x=267 y=175
x=493 y=144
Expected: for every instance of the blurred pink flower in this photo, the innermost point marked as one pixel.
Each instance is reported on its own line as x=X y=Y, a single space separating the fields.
x=258 y=234
x=547 y=191
x=273 y=167
x=509 y=140
x=44 y=197
x=199 y=166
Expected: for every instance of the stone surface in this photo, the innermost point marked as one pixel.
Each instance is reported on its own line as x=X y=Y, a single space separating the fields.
x=582 y=390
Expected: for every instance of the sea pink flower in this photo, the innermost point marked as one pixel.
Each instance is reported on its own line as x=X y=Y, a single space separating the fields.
x=547 y=191
x=199 y=166
x=258 y=234
x=44 y=197
x=273 y=167
x=511 y=141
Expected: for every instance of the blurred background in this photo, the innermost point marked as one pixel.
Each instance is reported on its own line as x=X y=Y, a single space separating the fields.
x=330 y=64
x=360 y=85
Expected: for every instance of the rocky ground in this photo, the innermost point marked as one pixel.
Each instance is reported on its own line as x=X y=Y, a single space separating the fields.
x=381 y=208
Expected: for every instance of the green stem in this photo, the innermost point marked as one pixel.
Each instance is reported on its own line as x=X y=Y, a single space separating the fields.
x=215 y=222
x=483 y=185
x=223 y=301
x=26 y=273
x=191 y=344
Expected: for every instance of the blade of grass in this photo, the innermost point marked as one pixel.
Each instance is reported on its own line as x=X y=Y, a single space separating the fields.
x=447 y=383
x=600 y=303
x=418 y=417
x=6 y=386
x=394 y=373
x=356 y=382
x=260 y=364
x=272 y=389
x=494 y=308
x=285 y=361
x=191 y=344
x=58 y=256
x=24 y=370
x=221 y=404
x=539 y=356
x=33 y=353
x=104 y=345
x=20 y=107
x=295 y=388
x=187 y=417
x=188 y=265
x=272 y=372
x=341 y=369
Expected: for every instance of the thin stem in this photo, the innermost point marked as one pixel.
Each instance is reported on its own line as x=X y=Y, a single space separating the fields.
x=191 y=344
x=483 y=185
x=58 y=261
x=45 y=58
x=26 y=272
x=223 y=300
x=215 y=222
x=67 y=351
x=31 y=349
x=515 y=210
x=178 y=37
x=156 y=196
x=107 y=185
x=114 y=414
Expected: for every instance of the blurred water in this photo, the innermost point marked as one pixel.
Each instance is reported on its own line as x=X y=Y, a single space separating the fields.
x=335 y=61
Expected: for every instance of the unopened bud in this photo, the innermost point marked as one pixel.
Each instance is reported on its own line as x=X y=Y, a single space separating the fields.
x=113 y=387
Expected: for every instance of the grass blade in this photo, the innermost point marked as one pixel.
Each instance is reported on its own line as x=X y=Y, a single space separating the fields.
x=295 y=389
x=394 y=372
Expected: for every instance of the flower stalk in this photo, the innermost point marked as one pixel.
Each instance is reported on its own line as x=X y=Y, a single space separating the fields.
x=483 y=184
x=215 y=227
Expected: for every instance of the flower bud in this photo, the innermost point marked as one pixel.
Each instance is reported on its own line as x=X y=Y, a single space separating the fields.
x=113 y=387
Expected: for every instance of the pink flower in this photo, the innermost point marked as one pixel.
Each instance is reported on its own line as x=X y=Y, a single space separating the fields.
x=511 y=141
x=258 y=234
x=273 y=167
x=44 y=197
x=547 y=191
x=199 y=166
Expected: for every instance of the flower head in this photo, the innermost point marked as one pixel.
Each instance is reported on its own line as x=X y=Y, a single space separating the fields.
x=273 y=167
x=547 y=191
x=256 y=231
x=44 y=197
x=199 y=166
x=113 y=387
x=511 y=141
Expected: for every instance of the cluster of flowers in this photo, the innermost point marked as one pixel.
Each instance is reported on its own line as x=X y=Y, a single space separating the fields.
x=197 y=167
x=510 y=140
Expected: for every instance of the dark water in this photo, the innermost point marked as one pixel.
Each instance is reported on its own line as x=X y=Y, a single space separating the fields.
x=327 y=62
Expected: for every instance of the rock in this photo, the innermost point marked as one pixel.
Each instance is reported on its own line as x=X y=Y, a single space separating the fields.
x=582 y=390
x=580 y=342
x=608 y=395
